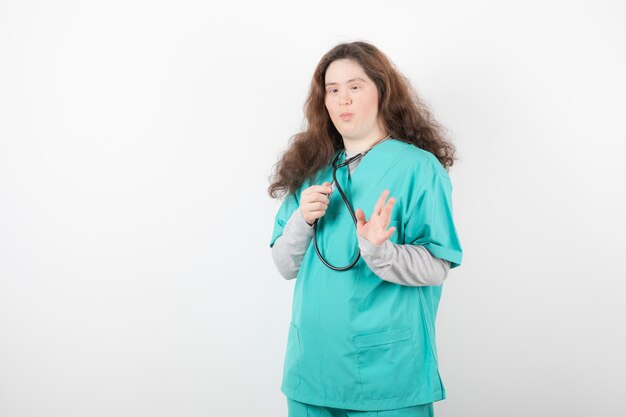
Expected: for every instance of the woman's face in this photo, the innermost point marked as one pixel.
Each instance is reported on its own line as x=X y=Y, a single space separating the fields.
x=352 y=101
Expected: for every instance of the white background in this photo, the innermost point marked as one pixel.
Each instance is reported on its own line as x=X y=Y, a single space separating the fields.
x=136 y=142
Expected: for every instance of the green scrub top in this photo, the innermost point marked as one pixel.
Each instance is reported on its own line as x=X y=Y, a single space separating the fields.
x=356 y=341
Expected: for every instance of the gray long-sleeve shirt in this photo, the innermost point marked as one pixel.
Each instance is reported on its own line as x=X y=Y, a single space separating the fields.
x=409 y=265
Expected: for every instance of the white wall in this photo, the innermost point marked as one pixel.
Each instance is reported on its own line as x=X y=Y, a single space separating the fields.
x=136 y=141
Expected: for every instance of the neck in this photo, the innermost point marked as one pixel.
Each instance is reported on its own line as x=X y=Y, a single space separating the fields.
x=354 y=146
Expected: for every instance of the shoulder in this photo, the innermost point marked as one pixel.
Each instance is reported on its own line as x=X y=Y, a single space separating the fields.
x=419 y=162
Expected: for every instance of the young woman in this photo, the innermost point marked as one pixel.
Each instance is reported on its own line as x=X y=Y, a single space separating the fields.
x=362 y=335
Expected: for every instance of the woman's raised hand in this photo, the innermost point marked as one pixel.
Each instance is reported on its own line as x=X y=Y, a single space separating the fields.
x=375 y=230
x=314 y=202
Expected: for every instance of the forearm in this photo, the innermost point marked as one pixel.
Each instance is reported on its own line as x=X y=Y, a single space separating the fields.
x=410 y=265
x=290 y=247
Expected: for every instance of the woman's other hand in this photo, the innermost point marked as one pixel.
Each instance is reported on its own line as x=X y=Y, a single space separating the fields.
x=375 y=230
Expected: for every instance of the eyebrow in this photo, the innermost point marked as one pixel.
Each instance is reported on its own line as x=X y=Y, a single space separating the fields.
x=349 y=81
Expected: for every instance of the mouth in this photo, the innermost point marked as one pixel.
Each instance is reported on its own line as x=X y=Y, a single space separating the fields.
x=346 y=116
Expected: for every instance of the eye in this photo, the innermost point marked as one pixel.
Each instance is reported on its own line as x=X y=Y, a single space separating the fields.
x=331 y=90
x=355 y=86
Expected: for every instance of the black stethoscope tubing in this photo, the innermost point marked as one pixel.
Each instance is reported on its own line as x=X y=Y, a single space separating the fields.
x=350 y=209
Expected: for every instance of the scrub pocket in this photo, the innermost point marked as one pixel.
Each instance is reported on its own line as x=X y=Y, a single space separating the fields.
x=387 y=364
x=291 y=368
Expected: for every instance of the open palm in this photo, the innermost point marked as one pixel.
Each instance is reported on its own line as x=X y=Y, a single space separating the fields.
x=375 y=230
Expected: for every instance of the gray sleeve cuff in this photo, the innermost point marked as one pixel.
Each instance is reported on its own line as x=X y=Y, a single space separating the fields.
x=299 y=224
x=411 y=265
x=376 y=256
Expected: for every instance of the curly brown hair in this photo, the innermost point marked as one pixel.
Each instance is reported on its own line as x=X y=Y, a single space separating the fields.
x=404 y=114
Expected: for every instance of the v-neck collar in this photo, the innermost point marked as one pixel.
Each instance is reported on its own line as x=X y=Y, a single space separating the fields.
x=364 y=187
x=365 y=158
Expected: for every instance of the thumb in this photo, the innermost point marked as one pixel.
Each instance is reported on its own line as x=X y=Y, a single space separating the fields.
x=360 y=217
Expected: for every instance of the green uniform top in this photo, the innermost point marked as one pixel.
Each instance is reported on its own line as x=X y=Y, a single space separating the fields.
x=356 y=341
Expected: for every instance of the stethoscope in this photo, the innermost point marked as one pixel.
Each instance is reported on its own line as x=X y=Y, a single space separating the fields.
x=336 y=166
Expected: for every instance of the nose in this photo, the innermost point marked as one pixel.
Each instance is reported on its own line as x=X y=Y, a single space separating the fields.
x=345 y=99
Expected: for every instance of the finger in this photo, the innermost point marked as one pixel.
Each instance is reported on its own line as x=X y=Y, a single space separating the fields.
x=360 y=217
x=314 y=196
x=385 y=215
x=390 y=232
x=319 y=197
x=381 y=201
x=317 y=214
x=316 y=205
x=324 y=189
